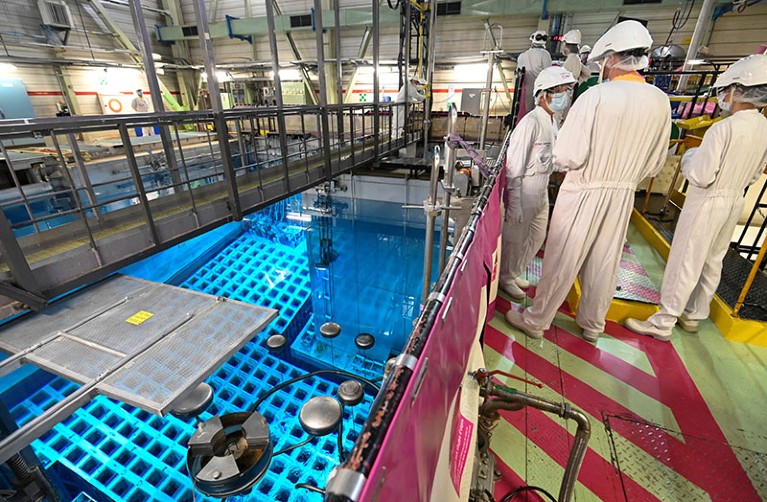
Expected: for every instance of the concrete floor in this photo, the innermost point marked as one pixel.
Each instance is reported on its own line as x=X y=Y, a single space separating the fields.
x=670 y=421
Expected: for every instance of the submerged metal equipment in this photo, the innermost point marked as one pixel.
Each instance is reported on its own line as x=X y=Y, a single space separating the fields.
x=320 y=415
x=142 y=343
x=351 y=392
x=229 y=454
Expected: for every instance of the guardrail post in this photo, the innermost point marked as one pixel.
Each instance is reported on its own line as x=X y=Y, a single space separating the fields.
x=136 y=175
x=323 y=88
x=278 y=91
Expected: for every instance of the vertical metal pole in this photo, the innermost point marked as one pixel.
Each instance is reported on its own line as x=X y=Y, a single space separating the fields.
x=155 y=94
x=206 y=45
x=376 y=85
x=136 y=175
x=429 y=74
x=486 y=105
x=82 y=171
x=17 y=183
x=697 y=36
x=406 y=80
x=431 y=215
x=339 y=71
x=323 y=88
x=448 y=188
x=278 y=91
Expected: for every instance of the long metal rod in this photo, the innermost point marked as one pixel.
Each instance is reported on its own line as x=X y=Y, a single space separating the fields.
x=222 y=134
x=155 y=94
x=704 y=18
x=323 y=88
x=139 y=183
x=83 y=173
x=430 y=208
x=448 y=187
x=487 y=92
x=278 y=91
x=376 y=81
x=432 y=44
x=339 y=69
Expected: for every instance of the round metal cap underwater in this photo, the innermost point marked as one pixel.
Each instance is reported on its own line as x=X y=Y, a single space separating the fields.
x=351 y=392
x=320 y=415
x=330 y=330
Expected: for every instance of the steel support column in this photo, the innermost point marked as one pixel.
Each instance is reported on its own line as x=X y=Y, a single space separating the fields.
x=155 y=94
x=339 y=69
x=704 y=18
x=222 y=132
x=432 y=34
x=376 y=85
x=278 y=91
x=488 y=90
x=323 y=88
x=294 y=48
x=364 y=43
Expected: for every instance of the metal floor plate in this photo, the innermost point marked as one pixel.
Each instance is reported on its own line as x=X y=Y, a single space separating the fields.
x=146 y=343
x=699 y=455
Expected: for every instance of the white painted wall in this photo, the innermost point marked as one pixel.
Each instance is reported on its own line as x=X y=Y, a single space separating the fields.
x=20 y=22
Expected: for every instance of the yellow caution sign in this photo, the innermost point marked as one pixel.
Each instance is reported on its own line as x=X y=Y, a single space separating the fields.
x=139 y=317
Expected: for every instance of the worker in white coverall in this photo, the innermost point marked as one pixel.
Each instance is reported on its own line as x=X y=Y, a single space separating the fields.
x=616 y=134
x=533 y=60
x=528 y=167
x=415 y=94
x=140 y=105
x=731 y=157
x=584 y=54
x=572 y=41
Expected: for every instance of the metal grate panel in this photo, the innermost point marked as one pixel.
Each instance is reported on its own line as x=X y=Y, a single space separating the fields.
x=68 y=311
x=157 y=345
x=190 y=353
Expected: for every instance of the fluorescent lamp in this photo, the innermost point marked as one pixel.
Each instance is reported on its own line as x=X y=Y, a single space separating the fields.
x=290 y=74
x=694 y=62
x=7 y=67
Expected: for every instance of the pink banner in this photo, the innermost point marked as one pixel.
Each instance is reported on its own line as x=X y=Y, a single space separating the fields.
x=404 y=468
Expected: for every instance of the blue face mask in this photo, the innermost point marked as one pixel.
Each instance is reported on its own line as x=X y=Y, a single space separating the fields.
x=558 y=102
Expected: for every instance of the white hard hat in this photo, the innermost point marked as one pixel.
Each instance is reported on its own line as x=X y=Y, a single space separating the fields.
x=539 y=37
x=572 y=37
x=623 y=36
x=749 y=71
x=552 y=77
x=584 y=50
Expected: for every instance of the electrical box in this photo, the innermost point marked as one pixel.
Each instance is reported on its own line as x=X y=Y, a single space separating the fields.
x=294 y=93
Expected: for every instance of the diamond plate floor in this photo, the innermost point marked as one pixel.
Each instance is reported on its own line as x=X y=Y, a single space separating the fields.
x=670 y=421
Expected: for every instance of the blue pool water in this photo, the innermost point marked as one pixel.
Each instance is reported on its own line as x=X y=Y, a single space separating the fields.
x=350 y=264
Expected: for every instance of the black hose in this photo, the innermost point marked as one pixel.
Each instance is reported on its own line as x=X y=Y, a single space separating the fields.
x=311 y=488
x=286 y=383
x=293 y=447
x=341 y=437
x=528 y=488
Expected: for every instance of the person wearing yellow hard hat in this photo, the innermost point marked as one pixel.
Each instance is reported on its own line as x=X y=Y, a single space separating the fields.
x=731 y=157
x=615 y=135
x=528 y=167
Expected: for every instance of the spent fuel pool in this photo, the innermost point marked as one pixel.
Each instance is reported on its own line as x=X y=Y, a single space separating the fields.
x=345 y=276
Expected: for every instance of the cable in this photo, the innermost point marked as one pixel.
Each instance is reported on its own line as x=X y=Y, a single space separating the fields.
x=293 y=447
x=286 y=383
x=528 y=488
x=677 y=23
x=311 y=488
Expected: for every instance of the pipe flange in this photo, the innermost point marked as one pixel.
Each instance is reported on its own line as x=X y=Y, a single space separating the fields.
x=406 y=360
x=436 y=295
x=345 y=482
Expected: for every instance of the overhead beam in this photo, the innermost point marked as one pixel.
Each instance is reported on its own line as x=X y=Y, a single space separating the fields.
x=363 y=16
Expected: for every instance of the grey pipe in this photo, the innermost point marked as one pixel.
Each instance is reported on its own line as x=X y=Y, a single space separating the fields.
x=486 y=106
x=508 y=401
x=448 y=187
x=431 y=216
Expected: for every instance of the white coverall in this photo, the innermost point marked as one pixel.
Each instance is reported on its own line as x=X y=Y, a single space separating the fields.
x=580 y=71
x=533 y=60
x=528 y=167
x=615 y=135
x=414 y=95
x=140 y=105
x=731 y=157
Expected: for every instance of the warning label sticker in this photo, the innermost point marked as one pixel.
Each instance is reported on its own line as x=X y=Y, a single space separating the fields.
x=139 y=317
